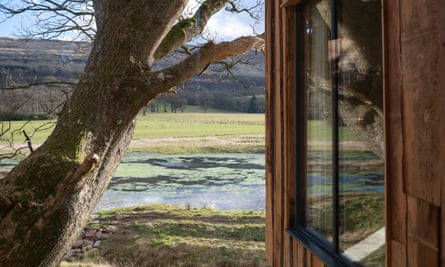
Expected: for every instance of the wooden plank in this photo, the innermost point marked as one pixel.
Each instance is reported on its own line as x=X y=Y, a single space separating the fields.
x=442 y=24
x=308 y=258
x=440 y=72
x=398 y=255
x=289 y=127
x=316 y=262
x=301 y=261
x=421 y=255
x=278 y=138
x=423 y=223
x=294 y=253
x=269 y=123
x=395 y=210
x=420 y=46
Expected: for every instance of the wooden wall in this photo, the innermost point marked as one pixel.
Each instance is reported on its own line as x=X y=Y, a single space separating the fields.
x=282 y=250
x=414 y=72
x=415 y=131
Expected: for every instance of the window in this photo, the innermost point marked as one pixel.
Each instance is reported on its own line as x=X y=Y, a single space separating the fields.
x=340 y=168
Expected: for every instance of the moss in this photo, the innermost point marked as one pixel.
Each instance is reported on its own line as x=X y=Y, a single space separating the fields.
x=178 y=32
x=30 y=236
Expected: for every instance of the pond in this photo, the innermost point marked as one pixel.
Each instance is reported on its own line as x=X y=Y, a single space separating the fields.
x=220 y=181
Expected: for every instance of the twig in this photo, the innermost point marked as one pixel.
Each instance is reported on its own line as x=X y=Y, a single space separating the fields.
x=28 y=141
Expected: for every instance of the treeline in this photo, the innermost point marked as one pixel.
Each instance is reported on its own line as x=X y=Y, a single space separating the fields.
x=206 y=99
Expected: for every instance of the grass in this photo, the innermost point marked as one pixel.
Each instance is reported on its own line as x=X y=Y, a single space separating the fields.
x=38 y=130
x=166 y=235
x=198 y=124
x=180 y=133
x=171 y=132
x=199 y=133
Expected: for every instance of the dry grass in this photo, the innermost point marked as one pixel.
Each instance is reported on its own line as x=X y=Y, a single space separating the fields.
x=166 y=235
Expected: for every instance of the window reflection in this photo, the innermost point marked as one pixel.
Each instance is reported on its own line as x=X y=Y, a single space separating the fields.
x=346 y=62
x=361 y=173
x=319 y=126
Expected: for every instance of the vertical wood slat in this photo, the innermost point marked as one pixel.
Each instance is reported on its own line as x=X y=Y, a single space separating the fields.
x=398 y=254
x=275 y=111
x=278 y=174
x=269 y=124
x=289 y=127
x=396 y=201
x=441 y=71
x=316 y=262
x=301 y=261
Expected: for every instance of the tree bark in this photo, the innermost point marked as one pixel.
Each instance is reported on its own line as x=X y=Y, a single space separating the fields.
x=47 y=198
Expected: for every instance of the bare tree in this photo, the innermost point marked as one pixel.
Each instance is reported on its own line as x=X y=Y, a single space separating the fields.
x=48 y=197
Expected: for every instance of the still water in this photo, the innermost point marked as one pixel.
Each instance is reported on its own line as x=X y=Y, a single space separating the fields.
x=220 y=181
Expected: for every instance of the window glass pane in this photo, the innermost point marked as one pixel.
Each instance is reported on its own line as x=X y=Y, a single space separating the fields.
x=361 y=173
x=317 y=83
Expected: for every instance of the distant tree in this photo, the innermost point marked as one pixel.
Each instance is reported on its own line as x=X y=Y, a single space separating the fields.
x=205 y=100
x=253 y=105
x=48 y=197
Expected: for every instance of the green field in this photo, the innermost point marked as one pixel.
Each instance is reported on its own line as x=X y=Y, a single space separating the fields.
x=198 y=124
x=170 y=132
x=185 y=133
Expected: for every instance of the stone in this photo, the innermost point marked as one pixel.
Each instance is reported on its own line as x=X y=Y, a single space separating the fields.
x=77 y=244
x=90 y=234
x=109 y=229
x=98 y=235
x=104 y=236
x=87 y=242
x=76 y=251
x=96 y=244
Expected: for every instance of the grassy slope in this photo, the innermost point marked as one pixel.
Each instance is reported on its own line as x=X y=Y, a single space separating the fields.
x=165 y=235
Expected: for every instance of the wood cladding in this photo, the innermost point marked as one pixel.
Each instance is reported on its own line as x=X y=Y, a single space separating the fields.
x=414 y=105
x=420 y=46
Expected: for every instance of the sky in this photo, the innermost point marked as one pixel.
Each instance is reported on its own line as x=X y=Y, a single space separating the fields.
x=222 y=26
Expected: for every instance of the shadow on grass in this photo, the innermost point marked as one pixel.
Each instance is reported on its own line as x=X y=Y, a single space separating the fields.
x=164 y=235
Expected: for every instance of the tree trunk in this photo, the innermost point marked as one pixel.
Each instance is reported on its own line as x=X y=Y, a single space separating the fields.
x=47 y=198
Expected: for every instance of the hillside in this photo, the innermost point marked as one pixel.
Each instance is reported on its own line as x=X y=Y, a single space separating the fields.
x=39 y=61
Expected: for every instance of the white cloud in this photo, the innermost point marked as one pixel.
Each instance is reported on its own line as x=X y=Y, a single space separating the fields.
x=225 y=26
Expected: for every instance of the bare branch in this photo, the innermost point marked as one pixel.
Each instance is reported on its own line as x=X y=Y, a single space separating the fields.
x=253 y=11
x=55 y=19
x=28 y=141
x=228 y=68
x=188 y=28
x=199 y=60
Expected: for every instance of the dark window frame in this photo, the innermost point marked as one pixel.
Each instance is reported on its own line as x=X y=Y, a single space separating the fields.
x=328 y=252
